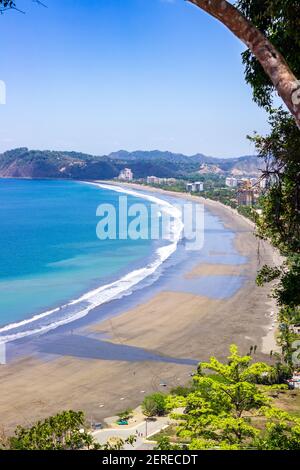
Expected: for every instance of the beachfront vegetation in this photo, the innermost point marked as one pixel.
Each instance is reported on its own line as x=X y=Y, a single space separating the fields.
x=226 y=196
x=126 y=414
x=279 y=221
x=280 y=150
x=230 y=407
x=154 y=405
x=64 y=431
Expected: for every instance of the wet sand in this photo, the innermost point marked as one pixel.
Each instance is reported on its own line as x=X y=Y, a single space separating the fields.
x=112 y=364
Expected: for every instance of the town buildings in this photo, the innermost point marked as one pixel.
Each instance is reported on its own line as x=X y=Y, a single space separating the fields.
x=245 y=197
x=126 y=175
x=196 y=187
x=231 y=182
x=156 y=180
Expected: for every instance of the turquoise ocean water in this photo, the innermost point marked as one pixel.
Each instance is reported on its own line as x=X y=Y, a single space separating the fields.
x=54 y=269
x=49 y=251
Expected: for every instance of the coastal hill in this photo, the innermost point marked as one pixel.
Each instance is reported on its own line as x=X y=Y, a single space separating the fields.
x=25 y=163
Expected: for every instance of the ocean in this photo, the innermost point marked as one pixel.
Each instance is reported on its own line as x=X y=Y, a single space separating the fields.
x=53 y=267
x=54 y=270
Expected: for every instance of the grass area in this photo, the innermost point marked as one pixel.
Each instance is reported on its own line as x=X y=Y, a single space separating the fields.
x=170 y=432
x=289 y=400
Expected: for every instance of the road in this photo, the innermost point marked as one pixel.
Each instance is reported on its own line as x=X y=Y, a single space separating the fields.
x=140 y=431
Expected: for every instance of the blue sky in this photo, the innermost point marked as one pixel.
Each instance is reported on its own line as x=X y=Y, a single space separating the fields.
x=101 y=75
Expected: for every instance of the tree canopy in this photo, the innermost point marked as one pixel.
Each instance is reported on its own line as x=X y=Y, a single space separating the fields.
x=241 y=21
x=6 y=5
x=154 y=405
x=63 y=431
x=279 y=21
x=228 y=409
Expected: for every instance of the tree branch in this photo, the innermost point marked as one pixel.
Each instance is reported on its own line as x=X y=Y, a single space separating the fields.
x=273 y=63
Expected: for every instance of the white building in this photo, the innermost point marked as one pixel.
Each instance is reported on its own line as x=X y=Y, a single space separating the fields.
x=126 y=175
x=197 y=187
x=231 y=182
x=157 y=180
x=153 y=180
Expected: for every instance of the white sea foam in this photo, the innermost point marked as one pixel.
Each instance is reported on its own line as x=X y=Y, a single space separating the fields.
x=80 y=307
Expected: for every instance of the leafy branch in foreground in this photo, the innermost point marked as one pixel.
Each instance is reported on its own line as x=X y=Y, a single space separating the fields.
x=244 y=22
x=279 y=21
x=6 y=5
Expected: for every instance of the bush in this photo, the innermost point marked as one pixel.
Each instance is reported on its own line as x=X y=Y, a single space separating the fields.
x=182 y=391
x=154 y=405
x=126 y=414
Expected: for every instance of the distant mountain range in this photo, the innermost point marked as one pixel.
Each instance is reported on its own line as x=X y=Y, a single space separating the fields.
x=25 y=163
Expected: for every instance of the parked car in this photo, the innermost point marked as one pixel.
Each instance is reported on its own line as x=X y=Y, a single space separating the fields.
x=98 y=426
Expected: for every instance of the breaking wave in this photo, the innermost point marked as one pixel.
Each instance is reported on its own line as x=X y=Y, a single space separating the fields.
x=79 y=308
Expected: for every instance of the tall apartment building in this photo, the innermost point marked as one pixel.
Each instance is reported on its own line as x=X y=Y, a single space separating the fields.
x=231 y=182
x=245 y=197
x=197 y=187
x=126 y=175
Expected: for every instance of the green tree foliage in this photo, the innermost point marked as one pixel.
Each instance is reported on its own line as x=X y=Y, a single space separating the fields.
x=222 y=412
x=182 y=391
x=224 y=195
x=281 y=152
x=164 y=443
x=116 y=443
x=154 y=405
x=248 y=212
x=282 y=432
x=6 y=4
x=63 y=431
x=280 y=220
x=126 y=414
x=279 y=21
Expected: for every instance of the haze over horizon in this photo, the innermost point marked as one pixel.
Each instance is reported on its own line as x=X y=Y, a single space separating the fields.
x=107 y=76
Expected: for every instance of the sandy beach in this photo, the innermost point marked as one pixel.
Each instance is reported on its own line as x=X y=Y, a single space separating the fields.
x=168 y=334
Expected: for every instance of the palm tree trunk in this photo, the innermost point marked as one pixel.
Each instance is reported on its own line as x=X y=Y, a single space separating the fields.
x=273 y=63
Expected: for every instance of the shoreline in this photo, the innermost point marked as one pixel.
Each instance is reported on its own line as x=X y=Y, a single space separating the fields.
x=127 y=281
x=269 y=340
x=110 y=364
